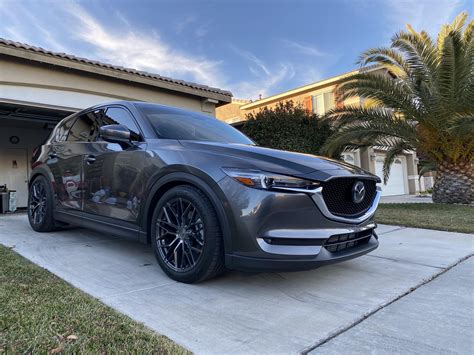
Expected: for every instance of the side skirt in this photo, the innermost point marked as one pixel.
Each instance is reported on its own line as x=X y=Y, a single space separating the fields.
x=101 y=224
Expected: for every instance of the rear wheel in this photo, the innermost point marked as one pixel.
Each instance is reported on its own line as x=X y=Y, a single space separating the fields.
x=186 y=236
x=40 y=205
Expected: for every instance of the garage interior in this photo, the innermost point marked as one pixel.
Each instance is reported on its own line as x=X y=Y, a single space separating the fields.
x=22 y=129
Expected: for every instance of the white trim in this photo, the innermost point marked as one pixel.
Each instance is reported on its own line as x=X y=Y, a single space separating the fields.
x=52 y=97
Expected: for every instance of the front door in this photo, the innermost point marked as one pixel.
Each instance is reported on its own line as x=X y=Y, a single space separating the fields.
x=113 y=172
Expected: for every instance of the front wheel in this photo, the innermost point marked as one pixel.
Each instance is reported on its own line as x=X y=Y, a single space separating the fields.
x=40 y=205
x=186 y=236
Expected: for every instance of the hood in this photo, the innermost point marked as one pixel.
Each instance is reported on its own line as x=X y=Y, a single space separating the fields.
x=276 y=161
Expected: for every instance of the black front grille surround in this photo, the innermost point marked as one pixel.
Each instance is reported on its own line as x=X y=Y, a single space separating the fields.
x=337 y=195
x=345 y=241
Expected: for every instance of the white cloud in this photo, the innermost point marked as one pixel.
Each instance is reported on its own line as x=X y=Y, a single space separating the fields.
x=192 y=25
x=265 y=78
x=263 y=86
x=183 y=23
x=257 y=66
x=304 y=48
x=141 y=51
x=427 y=15
x=201 y=31
x=21 y=25
x=68 y=27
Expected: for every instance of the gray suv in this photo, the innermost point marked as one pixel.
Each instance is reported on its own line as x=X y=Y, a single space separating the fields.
x=200 y=192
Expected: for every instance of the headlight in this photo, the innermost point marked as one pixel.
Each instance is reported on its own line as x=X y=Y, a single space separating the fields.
x=269 y=181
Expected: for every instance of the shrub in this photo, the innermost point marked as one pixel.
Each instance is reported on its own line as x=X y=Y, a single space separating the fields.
x=287 y=127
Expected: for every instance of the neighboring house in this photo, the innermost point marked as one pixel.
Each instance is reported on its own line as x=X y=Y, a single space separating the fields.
x=319 y=97
x=38 y=88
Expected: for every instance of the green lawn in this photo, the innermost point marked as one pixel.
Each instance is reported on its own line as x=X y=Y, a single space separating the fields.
x=40 y=313
x=452 y=218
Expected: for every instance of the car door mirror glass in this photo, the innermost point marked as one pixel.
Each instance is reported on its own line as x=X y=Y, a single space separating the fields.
x=115 y=133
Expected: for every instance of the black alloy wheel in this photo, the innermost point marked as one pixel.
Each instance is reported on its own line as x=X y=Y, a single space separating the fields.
x=40 y=205
x=38 y=201
x=180 y=234
x=186 y=235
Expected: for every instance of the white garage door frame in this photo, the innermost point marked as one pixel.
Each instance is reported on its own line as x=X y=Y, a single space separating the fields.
x=386 y=190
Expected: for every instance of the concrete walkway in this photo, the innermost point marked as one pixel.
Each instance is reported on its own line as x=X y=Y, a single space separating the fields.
x=271 y=313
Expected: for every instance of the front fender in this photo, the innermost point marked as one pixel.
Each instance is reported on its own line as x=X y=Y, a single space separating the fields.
x=198 y=179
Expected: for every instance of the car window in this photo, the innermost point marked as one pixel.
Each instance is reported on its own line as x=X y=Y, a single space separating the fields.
x=117 y=115
x=62 y=129
x=86 y=127
x=171 y=123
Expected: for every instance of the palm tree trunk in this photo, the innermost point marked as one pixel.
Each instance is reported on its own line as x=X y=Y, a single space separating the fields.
x=454 y=183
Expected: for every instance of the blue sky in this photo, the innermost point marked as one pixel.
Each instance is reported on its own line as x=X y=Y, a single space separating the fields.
x=249 y=47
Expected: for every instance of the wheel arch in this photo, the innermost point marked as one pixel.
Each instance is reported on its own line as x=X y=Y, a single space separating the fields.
x=205 y=184
x=41 y=170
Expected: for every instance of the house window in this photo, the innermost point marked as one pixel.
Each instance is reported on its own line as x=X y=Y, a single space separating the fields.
x=324 y=102
x=348 y=158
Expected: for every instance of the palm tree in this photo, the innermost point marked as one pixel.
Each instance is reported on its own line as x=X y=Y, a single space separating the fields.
x=423 y=101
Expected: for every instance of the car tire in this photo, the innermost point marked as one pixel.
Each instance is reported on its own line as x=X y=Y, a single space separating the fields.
x=40 y=205
x=184 y=222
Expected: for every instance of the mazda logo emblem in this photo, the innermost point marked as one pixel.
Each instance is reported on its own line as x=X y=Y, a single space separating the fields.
x=358 y=192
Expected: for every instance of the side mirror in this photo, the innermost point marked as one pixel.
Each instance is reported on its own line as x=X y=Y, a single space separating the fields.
x=115 y=133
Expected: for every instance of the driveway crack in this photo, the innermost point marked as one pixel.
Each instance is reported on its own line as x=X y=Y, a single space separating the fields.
x=391 y=231
x=360 y=319
x=405 y=261
x=138 y=290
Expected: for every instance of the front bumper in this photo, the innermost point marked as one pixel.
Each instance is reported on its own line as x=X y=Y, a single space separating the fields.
x=277 y=231
x=299 y=250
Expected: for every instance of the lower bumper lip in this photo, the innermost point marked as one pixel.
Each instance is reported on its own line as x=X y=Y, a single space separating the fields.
x=316 y=236
x=293 y=263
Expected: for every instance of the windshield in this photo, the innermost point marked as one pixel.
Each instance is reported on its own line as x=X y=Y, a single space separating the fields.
x=173 y=123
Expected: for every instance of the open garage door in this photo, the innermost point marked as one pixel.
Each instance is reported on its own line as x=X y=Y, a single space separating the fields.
x=397 y=183
x=22 y=128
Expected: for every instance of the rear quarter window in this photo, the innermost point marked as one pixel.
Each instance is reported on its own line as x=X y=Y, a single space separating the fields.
x=61 y=131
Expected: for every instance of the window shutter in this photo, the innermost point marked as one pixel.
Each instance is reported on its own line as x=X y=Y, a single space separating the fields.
x=337 y=99
x=308 y=104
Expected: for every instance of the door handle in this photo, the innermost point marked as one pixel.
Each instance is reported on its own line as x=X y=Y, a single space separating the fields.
x=52 y=155
x=90 y=159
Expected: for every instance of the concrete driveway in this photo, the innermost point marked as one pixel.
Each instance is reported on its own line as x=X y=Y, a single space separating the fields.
x=391 y=299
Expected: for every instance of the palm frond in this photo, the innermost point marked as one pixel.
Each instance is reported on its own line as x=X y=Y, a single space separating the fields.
x=387 y=58
x=426 y=166
x=419 y=53
x=429 y=106
x=385 y=91
x=384 y=118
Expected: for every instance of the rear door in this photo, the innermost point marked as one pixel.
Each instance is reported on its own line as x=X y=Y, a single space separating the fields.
x=113 y=172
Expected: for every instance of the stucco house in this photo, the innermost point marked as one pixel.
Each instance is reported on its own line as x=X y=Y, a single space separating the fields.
x=39 y=87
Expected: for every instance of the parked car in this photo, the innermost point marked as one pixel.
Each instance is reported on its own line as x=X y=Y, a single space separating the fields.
x=200 y=192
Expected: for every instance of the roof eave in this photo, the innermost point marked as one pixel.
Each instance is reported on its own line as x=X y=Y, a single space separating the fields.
x=111 y=73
